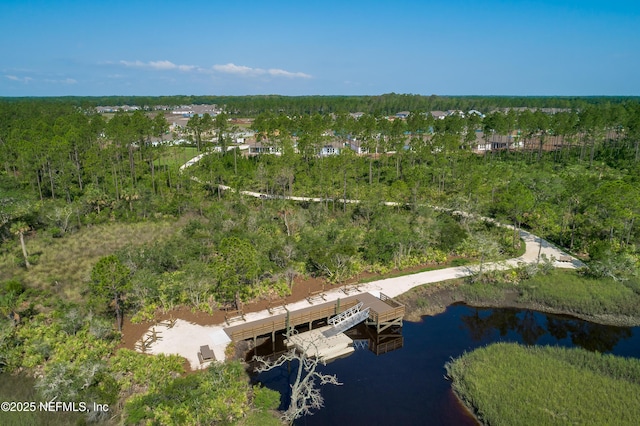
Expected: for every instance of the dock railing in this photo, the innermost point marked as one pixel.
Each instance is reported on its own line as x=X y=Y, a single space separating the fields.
x=279 y=322
x=397 y=311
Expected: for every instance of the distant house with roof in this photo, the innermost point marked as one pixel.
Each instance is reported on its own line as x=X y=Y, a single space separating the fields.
x=476 y=112
x=125 y=108
x=496 y=142
x=200 y=110
x=438 y=115
x=260 y=147
x=356 y=146
x=332 y=148
x=457 y=112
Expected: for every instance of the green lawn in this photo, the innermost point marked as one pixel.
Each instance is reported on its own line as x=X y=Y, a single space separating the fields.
x=510 y=384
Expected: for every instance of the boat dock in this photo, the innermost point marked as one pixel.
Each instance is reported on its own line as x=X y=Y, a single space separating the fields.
x=383 y=312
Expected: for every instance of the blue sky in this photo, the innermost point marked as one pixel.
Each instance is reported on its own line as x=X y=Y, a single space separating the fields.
x=457 y=47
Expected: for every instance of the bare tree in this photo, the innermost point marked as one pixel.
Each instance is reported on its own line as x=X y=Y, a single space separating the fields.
x=20 y=228
x=305 y=396
x=61 y=217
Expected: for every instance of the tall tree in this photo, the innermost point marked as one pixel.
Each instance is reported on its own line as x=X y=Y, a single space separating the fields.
x=110 y=284
x=517 y=201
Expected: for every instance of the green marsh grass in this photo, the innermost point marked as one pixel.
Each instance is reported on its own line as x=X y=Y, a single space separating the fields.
x=510 y=384
x=571 y=292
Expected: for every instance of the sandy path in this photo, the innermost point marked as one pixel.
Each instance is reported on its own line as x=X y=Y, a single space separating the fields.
x=185 y=338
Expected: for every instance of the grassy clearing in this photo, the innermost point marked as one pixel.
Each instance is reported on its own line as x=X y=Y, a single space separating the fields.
x=396 y=273
x=65 y=263
x=176 y=156
x=562 y=290
x=509 y=384
x=482 y=293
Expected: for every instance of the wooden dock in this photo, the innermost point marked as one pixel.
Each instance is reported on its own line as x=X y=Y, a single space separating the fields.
x=384 y=312
x=315 y=344
x=378 y=343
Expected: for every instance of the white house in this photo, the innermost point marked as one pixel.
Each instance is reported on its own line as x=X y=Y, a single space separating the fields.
x=329 y=149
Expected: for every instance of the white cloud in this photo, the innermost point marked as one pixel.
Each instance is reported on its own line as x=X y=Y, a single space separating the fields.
x=282 y=73
x=27 y=80
x=231 y=68
x=238 y=69
x=136 y=64
x=63 y=81
x=159 y=65
x=167 y=65
x=20 y=79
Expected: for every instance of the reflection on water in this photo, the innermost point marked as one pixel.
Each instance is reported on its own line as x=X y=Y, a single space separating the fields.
x=364 y=338
x=532 y=327
x=407 y=385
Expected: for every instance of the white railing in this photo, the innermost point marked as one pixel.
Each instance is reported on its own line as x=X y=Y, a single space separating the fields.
x=347 y=319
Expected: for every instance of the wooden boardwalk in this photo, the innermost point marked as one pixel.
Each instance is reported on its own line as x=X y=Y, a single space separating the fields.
x=384 y=313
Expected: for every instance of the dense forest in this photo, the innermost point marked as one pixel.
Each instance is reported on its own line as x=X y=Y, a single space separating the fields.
x=386 y=104
x=97 y=221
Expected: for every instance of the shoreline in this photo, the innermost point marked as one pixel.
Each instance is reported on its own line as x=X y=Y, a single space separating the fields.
x=427 y=299
x=441 y=297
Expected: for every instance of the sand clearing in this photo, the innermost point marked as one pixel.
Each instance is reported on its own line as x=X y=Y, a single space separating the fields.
x=185 y=339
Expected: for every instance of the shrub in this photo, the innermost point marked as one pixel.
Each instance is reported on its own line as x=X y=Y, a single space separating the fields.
x=13 y=286
x=459 y=262
x=265 y=398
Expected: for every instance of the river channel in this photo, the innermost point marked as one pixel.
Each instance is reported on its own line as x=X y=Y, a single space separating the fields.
x=406 y=385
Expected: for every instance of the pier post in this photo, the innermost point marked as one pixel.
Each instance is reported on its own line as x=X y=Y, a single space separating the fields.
x=287 y=326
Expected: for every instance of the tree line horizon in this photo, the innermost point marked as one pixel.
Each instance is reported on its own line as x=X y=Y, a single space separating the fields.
x=390 y=103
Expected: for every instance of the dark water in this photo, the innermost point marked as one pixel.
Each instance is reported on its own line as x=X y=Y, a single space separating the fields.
x=406 y=386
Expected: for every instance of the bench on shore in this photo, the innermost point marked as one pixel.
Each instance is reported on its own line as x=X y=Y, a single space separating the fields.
x=276 y=305
x=316 y=295
x=351 y=288
x=206 y=354
x=233 y=315
x=565 y=258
